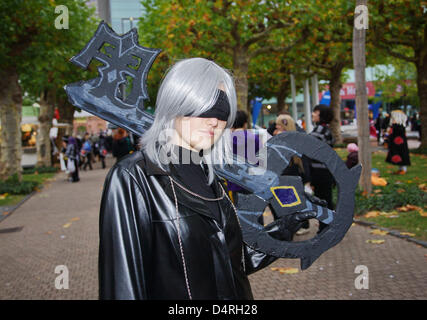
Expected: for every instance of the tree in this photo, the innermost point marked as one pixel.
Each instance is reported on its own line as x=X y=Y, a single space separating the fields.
x=399 y=28
x=359 y=60
x=232 y=33
x=49 y=70
x=399 y=86
x=31 y=51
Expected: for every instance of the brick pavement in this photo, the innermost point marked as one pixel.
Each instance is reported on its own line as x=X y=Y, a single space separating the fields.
x=60 y=227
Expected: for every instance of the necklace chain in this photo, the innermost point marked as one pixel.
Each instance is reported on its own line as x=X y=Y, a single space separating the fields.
x=197 y=195
x=179 y=229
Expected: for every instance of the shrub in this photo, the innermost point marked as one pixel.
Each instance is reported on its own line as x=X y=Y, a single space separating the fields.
x=40 y=170
x=13 y=186
x=390 y=197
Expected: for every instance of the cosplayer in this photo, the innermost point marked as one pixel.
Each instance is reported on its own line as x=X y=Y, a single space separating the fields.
x=398 y=152
x=167 y=228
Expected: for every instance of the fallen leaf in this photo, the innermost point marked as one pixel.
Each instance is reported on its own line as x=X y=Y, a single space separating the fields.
x=274 y=269
x=377 y=191
x=409 y=234
x=49 y=232
x=402 y=209
x=3 y=196
x=400 y=190
x=5 y=213
x=66 y=225
x=288 y=270
x=386 y=214
x=75 y=219
x=412 y=207
x=379 y=232
x=372 y=214
x=375 y=241
x=423 y=213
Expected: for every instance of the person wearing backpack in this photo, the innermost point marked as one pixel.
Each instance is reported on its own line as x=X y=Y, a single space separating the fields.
x=87 y=153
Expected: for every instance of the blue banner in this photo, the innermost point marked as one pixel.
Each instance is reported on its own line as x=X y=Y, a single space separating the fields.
x=256 y=108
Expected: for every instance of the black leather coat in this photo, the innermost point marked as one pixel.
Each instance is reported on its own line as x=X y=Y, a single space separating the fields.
x=141 y=255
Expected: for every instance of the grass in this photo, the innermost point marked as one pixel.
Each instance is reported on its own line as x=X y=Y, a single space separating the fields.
x=12 y=200
x=410 y=221
x=41 y=177
x=400 y=190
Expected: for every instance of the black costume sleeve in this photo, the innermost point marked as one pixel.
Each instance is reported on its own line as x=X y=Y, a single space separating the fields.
x=256 y=260
x=121 y=258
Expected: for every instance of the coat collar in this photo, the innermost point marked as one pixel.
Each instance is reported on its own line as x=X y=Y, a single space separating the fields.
x=183 y=197
x=152 y=169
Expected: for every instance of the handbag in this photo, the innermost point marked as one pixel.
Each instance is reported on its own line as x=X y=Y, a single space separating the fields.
x=71 y=167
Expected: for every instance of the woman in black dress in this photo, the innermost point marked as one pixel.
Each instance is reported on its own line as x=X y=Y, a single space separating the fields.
x=398 y=152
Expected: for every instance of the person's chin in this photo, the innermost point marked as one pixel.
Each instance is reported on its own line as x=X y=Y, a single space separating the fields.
x=204 y=144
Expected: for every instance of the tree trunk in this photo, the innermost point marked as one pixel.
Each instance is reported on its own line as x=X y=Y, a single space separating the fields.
x=66 y=114
x=10 y=117
x=44 y=150
x=240 y=70
x=422 y=94
x=334 y=89
x=283 y=93
x=359 y=61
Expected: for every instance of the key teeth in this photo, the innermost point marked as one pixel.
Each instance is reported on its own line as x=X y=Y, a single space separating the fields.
x=356 y=171
x=306 y=262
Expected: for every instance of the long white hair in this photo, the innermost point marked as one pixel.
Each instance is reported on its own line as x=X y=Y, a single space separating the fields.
x=190 y=88
x=397 y=116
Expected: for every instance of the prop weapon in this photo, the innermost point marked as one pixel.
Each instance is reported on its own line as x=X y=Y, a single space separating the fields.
x=122 y=56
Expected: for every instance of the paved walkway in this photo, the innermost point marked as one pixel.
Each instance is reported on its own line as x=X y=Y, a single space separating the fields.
x=59 y=226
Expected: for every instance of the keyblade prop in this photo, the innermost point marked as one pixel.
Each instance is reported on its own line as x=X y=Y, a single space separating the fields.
x=105 y=97
x=285 y=195
x=121 y=56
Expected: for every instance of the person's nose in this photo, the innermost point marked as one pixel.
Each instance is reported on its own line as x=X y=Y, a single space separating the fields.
x=212 y=121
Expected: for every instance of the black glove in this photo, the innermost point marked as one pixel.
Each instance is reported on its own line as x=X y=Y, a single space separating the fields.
x=316 y=200
x=285 y=227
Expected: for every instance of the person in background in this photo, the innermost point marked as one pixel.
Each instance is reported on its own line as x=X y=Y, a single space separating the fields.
x=398 y=152
x=87 y=152
x=94 y=143
x=353 y=155
x=271 y=127
x=101 y=145
x=71 y=154
x=121 y=144
x=251 y=145
x=298 y=127
x=322 y=180
x=379 y=124
x=297 y=166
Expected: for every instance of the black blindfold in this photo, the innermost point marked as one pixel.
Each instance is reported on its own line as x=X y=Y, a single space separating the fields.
x=220 y=109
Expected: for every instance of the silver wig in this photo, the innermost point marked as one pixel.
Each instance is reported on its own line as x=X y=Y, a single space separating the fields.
x=190 y=88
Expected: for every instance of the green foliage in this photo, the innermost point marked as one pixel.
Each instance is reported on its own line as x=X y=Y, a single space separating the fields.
x=39 y=170
x=231 y=33
x=420 y=150
x=30 y=42
x=399 y=85
x=390 y=197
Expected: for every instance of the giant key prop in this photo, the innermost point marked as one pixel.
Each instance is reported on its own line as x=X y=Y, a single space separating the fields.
x=122 y=56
